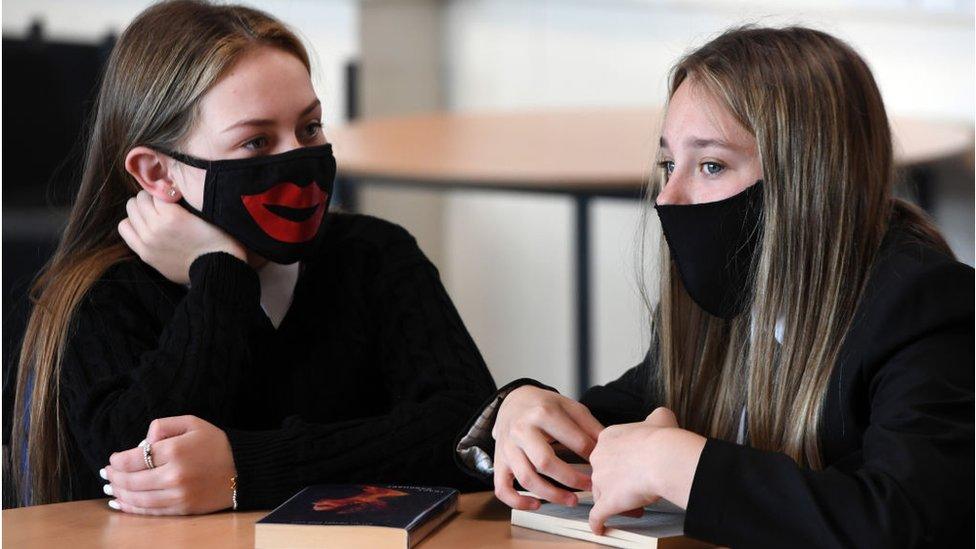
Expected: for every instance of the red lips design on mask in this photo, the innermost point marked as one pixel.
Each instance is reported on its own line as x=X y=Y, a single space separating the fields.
x=287 y=195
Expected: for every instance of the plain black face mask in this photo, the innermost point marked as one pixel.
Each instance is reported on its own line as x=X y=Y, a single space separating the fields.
x=274 y=205
x=712 y=245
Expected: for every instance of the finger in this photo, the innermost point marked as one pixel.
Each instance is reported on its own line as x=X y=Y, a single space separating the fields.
x=128 y=508
x=662 y=417
x=136 y=218
x=129 y=461
x=505 y=491
x=147 y=210
x=598 y=517
x=545 y=461
x=635 y=513
x=161 y=204
x=146 y=205
x=146 y=479
x=134 y=460
x=165 y=451
x=147 y=499
x=527 y=477
x=169 y=427
x=131 y=238
x=564 y=429
x=584 y=419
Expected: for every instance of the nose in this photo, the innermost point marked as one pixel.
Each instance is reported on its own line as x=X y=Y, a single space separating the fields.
x=675 y=191
x=290 y=145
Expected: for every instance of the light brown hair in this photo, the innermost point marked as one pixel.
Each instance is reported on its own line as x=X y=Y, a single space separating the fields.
x=826 y=154
x=163 y=63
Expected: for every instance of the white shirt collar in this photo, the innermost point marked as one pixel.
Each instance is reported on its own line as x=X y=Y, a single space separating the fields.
x=277 y=289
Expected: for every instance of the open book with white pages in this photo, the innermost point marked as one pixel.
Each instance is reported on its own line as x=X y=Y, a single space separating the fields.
x=663 y=519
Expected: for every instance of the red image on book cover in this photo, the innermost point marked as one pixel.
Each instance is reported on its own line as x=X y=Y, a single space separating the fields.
x=370 y=497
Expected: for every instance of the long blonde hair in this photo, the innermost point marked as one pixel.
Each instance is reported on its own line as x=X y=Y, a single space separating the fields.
x=826 y=154
x=163 y=63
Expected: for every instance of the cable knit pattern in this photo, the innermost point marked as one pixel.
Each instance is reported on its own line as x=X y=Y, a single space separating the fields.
x=369 y=377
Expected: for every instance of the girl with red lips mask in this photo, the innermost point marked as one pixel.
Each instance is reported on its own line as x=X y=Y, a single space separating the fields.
x=203 y=302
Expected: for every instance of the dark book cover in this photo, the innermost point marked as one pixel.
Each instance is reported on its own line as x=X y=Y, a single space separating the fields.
x=405 y=507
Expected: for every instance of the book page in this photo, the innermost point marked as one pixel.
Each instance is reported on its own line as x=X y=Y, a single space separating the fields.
x=652 y=524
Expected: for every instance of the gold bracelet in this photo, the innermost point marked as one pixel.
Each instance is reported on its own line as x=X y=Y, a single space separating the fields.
x=233 y=490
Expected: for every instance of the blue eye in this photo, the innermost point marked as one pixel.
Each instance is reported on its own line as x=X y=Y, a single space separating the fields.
x=667 y=166
x=712 y=168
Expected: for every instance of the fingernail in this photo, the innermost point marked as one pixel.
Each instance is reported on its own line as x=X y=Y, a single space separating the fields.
x=114 y=505
x=108 y=490
x=102 y=473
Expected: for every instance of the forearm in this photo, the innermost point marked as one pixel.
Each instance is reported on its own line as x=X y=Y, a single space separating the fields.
x=742 y=496
x=118 y=375
x=410 y=444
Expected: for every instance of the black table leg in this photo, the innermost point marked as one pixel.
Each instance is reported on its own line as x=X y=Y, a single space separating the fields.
x=582 y=230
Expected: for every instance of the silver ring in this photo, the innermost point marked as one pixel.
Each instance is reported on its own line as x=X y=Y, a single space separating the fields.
x=147 y=454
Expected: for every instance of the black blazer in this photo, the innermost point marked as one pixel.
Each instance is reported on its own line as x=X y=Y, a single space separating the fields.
x=896 y=434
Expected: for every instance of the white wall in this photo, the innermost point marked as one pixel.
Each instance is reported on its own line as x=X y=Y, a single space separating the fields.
x=509 y=257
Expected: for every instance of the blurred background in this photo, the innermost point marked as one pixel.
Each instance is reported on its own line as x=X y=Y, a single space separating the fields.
x=508 y=259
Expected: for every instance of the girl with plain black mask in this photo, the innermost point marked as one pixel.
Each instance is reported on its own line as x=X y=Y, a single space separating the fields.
x=810 y=380
x=203 y=301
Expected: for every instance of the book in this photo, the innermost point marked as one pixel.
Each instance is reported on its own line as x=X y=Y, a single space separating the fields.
x=586 y=498
x=621 y=531
x=663 y=519
x=356 y=515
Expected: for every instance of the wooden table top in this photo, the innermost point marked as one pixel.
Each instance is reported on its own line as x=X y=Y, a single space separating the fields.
x=482 y=522
x=564 y=150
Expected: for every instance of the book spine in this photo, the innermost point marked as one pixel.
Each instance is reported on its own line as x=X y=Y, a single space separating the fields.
x=289 y=500
x=433 y=511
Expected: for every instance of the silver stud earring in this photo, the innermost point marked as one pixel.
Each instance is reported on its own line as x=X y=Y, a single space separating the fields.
x=171 y=192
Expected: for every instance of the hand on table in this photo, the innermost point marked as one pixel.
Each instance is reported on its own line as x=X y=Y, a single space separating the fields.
x=528 y=420
x=635 y=464
x=192 y=474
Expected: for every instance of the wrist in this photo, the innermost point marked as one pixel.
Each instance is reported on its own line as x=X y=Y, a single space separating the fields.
x=236 y=253
x=232 y=469
x=655 y=448
x=519 y=391
x=233 y=249
x=508 y=400
x=674 y=455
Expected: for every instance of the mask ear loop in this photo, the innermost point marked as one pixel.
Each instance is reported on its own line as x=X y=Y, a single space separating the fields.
x=191 y=161
x=186 y=159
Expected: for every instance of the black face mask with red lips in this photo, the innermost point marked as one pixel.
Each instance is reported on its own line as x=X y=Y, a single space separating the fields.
x=274 y=205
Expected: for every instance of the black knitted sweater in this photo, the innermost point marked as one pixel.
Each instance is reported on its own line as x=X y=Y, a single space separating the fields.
x=369 y=377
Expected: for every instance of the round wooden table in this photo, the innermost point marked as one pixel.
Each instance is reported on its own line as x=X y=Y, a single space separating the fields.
x=481 y=521
x=579 y=153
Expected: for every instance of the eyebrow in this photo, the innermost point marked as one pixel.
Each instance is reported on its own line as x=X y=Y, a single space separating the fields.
x=700 y=143
x=268 y=121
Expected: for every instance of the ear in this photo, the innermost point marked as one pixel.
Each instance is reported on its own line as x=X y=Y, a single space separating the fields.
x=149 y=168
